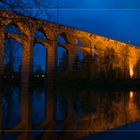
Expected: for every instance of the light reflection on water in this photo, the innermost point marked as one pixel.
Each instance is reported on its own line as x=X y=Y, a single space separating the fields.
x=61 y=110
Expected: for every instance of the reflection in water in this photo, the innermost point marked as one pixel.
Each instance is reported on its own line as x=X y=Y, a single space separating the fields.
x=56 y=114
x=38 y=106
x=11 y=108
x=132 y=107
x=131 y=95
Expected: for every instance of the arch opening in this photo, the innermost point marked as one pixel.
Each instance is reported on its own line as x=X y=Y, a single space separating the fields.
x=78 y=61
x=61 y=39
x=95 y=54
x=62 y=58
x=40 y=34
x=79 y=43
x=13 y=29
x=40 y=61
x=80 y=56
x=13 y=52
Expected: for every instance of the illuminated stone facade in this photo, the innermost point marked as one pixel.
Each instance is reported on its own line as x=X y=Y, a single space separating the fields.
x=91 y=43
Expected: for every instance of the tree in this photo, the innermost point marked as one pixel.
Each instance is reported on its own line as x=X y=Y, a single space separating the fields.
x=76 y=69
x=87 y=66
x=44 y=9
x=137 y=69
x=108 y=59
x=124 y=59
x=62 y=66
x=11 y=56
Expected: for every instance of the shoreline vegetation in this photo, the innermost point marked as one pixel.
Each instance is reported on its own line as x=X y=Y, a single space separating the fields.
x=119 y=84
x=89 y=73
x=104 y=71
x=83 y=83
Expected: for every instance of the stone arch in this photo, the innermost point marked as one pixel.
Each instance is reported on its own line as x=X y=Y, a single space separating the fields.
x=41 y=34
x=79 y=43
x=40 y=57
x=95 y=53
x=84 y=41
x=13 y=52
x=80 y=54
x=84 y=50
x=99 y=44
x=23 y=28
x=62 y=57
x=50 y=34
x=61 y=39
x=13 y=29
x=23 y=33
x=69 y=37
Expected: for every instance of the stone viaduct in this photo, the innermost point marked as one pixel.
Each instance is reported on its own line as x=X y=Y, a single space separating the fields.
x=90 y=43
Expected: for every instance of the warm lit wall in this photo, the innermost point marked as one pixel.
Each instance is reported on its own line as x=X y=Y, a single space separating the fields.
x=29 y=25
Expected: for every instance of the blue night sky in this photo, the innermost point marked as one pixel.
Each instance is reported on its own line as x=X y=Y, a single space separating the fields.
x=117 y=19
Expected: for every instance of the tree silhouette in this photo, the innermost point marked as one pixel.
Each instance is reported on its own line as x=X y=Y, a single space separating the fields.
x=12 y=56
x=62 y=66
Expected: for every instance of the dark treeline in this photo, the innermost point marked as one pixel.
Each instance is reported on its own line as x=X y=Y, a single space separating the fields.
x=104 y=67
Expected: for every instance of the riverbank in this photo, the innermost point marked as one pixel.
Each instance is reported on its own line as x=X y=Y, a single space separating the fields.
x=120 y=84
x=96 y=84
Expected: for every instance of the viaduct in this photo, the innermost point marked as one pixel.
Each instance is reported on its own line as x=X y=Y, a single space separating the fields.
x=90 y=43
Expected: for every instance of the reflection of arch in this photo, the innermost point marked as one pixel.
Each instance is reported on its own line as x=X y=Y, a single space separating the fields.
x=39 y=99
x=11 y=104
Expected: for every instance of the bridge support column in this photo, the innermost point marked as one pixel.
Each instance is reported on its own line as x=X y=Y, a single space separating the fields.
x=51 y=64
x=26 y=114
x=27 y=62
x=2 y=37
x=71 y=59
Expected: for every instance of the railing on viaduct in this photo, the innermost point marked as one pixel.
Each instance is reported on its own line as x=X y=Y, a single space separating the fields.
x=91 y=43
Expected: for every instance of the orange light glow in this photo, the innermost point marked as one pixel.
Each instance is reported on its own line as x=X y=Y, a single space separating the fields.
x=131 y=72
x=131 y=94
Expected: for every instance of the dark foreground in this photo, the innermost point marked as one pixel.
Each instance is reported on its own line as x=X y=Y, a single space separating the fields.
x=61 y=113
